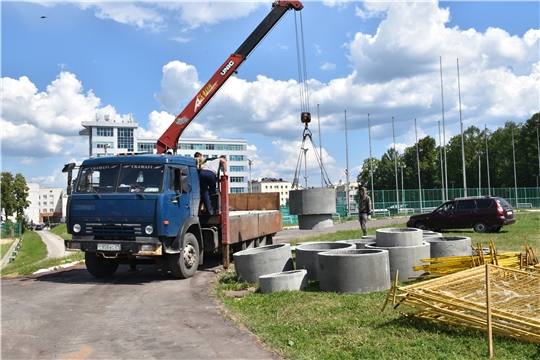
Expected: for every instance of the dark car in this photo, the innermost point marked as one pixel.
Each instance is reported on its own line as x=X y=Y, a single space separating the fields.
x=39 y=227
x=482 y=213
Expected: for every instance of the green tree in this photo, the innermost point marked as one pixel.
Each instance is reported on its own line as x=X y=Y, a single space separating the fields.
x=8 y=196
x=20 y=188
x=14 y=195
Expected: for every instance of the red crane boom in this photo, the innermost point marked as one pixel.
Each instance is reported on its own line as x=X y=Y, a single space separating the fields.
x=169 y=139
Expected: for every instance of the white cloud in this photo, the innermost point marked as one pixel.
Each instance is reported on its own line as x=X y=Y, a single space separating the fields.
x=197 y=14
x=139 y=14
x=179 y=85
x=328 y=66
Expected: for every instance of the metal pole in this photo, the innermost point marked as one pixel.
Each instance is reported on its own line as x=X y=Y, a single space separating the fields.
x=442 y=170
x=487 y=162
x=371 y=162
x=250 y=162
x=418 y=162
x=347 y=160
x=320 y=145
x=515 y=174
x=395 y=167
x=444 y=135
x=462 y=140
x=479 y=153
x=402 y=187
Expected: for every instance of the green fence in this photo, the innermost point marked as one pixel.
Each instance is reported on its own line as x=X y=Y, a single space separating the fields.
x=6 y=230
x=385 y=202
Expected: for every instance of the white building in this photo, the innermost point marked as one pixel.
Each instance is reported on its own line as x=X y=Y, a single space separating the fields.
x=109 y=137
x=341 y=196
x=267 y=185
x=32 y=211
x=51 y=204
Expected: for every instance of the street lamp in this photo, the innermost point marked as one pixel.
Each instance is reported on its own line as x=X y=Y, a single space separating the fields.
x=402 y=187
x=453 y=195
x=250 y=162
x=479 y=153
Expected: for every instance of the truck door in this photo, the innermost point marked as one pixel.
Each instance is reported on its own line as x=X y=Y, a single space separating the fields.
x=178 y=198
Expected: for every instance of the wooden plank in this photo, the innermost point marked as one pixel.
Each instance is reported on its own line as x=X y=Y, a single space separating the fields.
x=254 y=201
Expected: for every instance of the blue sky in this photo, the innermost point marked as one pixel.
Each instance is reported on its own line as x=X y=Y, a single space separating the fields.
x=149 y=60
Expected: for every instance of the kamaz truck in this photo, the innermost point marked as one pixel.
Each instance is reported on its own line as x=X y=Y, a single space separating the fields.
x=144 y=208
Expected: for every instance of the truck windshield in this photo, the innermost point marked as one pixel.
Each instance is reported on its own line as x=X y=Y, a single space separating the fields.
x=123 y=178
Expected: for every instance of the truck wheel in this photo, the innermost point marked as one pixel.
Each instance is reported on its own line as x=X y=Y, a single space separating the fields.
x=184 y=264
x=98 y=266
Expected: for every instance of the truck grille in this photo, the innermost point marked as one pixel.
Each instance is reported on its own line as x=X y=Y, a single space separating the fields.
x=113 y=229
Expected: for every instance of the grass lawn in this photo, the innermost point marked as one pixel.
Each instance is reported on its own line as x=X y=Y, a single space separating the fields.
x=5 y=244
x=32 y=255
x=310 y=324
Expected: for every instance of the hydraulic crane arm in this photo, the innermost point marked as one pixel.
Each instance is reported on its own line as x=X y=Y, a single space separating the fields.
x=169 y=139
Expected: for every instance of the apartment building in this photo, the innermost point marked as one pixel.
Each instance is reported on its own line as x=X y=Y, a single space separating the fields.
x=109 y=137
x=266 y=185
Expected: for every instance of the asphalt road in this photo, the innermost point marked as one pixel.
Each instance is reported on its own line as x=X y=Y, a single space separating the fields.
x=69 y=314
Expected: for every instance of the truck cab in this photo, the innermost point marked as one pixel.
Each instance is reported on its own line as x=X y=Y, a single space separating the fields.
x=136 y=209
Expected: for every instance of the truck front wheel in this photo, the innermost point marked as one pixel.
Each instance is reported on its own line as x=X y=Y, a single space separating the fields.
x=98 y=266
x=184 y=264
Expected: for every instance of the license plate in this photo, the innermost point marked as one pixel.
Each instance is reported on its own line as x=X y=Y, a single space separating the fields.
x=509 y=212
x=109 y=247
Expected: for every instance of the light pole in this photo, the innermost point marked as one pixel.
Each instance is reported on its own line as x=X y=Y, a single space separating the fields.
x=250 y=162
x=402 y=187
x=453 y=194
x=537 y=189
x=479 y=153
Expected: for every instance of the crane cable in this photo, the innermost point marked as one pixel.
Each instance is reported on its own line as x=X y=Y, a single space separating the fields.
x=301 y=60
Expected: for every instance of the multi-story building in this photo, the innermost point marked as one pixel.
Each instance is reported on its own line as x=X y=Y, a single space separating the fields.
x=33 y=209
x=341 y=197
x=108 y=137
x=51 y=205
x=267 y=185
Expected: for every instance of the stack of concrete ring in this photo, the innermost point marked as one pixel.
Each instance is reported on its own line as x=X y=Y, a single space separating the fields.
x=353 y=266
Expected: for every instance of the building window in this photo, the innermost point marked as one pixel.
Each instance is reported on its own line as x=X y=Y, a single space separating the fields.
x=105 y=145
x=101 y=131
x=236 y=157
x=237 y=179
x=237 y=190
x=236 y=168
x=51 y=203
x=125 y=139
x=51 y=210
x=146 y=147
x=44 y=196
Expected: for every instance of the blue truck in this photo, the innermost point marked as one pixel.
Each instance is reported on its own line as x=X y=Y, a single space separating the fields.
x=144 y=208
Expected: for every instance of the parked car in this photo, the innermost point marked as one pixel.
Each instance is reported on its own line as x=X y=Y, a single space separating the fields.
x=39 y=227
x=482 y=213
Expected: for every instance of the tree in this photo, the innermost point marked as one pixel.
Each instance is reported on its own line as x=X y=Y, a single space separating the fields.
x=21 y=196
x=14 y=195
x=8 y=196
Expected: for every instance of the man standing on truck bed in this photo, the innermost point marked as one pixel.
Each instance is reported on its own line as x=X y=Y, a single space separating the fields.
x=208 y=173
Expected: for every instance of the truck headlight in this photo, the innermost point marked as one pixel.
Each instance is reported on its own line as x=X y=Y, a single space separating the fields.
x=76 y=228
x=149 y=229
x=147 y=248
